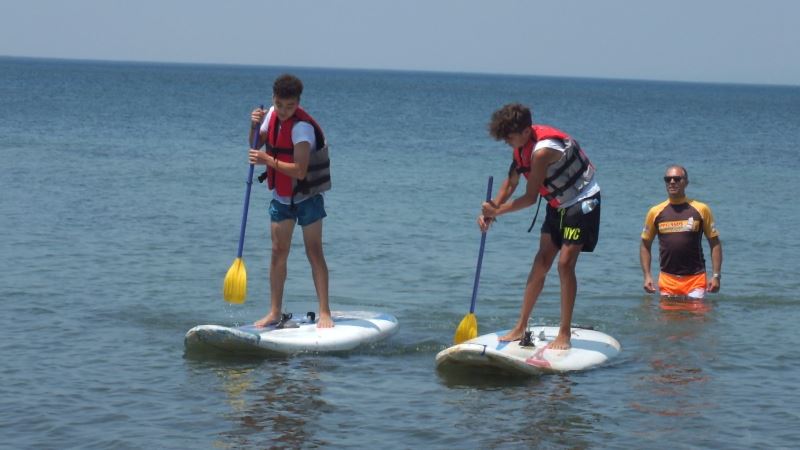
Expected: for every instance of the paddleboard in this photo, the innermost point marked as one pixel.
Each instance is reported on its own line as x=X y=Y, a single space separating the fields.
x=296 y=334
x=590 y=348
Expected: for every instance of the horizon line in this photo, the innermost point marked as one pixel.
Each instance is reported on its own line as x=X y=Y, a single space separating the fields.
x=394 y=70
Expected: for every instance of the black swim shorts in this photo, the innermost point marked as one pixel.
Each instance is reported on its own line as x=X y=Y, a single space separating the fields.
x=576 y=224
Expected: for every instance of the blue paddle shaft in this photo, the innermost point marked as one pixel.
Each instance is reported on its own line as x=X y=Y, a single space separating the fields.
x=480 y=254
x=247 y=194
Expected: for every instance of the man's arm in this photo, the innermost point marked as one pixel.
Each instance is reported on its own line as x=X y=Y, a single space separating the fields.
x=541 y=159
x=716 y=263
x=507 y=188
x=296 y=169
x=299 y=168
x=645 y=258
x=256 y=118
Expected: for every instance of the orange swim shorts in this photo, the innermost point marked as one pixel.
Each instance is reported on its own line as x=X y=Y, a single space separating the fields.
x=692 y=286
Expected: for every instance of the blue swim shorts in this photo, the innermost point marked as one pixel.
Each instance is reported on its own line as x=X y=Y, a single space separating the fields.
x=304 y=213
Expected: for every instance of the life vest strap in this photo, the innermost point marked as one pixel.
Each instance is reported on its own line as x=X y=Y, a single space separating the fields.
x=320 y=166
x=280 y=151
x=572 y=180
x=533 y=222
x=567 y=164
x=302 y=184
x=311 y=168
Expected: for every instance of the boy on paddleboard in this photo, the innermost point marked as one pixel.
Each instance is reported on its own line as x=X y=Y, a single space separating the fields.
x=298 y=171
x=556 y=168
x=680 y=224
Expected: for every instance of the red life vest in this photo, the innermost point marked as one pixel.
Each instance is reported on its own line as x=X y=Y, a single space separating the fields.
x=566 y=177
x=280 y=145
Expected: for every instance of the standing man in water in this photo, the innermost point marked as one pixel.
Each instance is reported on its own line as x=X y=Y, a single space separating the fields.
x=680 y=224
x=298 y=171
x=556 y=168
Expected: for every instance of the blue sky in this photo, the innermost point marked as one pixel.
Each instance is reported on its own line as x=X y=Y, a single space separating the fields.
x=740 y=41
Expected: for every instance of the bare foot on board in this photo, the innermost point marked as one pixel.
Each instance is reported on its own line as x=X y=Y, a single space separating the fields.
x=513 y=335
x=561 y=343
x=269 y=319
x=324 y=321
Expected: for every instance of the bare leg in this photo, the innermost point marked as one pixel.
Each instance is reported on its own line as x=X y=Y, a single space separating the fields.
x=569 y=289
x=281 y=244
x=541 y=265
x=312 y=238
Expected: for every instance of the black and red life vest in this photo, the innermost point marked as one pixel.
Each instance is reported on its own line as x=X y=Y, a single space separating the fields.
x=567 y=176
x=280 y=145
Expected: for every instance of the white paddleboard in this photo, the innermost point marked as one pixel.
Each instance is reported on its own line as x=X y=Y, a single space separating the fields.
x=300 y=334
x=589 y=349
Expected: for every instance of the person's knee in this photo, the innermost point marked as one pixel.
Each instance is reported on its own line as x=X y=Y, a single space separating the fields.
x=567 y=263
x=565 y=268
x=315 y=254
x=280 y=251
x=543 y=260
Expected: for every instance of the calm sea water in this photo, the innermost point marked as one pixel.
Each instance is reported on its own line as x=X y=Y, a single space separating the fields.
x=120 y=199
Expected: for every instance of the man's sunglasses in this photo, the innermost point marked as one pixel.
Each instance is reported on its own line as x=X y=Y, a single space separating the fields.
x=677 y=179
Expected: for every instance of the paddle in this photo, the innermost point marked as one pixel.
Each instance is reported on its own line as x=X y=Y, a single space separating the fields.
x=468 y=328
x=235 y=285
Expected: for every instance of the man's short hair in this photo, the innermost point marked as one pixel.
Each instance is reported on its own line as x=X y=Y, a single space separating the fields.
x=287 y=86
x=678 y=166
x=511 y=118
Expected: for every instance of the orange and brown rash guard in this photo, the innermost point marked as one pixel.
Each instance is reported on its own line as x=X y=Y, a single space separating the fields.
x=680 y=226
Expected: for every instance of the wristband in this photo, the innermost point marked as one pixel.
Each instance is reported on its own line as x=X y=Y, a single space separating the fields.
x=717 y=276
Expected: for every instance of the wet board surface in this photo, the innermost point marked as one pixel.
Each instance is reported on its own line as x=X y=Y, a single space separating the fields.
x=590 y=349
x=300 y=334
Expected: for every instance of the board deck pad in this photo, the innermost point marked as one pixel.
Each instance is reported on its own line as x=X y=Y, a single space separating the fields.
x=590 y=349
x=300 y=334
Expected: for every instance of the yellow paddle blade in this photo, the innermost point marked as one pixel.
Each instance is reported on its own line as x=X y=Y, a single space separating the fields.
x=467 y=329
x=235 y=287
